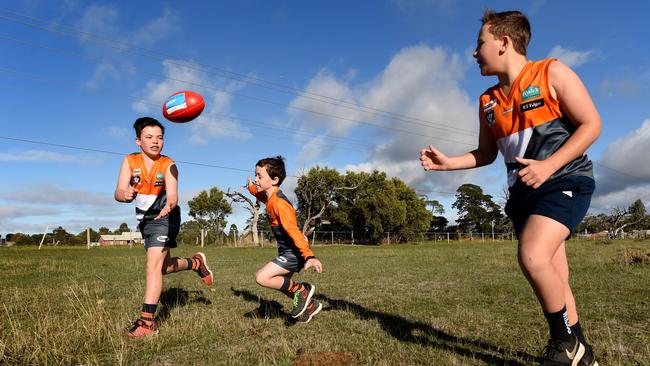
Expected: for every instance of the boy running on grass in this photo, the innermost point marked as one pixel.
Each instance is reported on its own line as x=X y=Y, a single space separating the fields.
x=294 y=253
x=151 y=179
x=542 y=119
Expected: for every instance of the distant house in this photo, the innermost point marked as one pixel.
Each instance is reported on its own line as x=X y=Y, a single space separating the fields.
x=125 y=238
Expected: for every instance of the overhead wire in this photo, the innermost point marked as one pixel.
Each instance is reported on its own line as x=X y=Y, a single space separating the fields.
x=125 y=47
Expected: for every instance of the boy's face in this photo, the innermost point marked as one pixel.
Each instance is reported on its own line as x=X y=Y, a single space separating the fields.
x=151 y=140
x=488 y=50
x=263 y=181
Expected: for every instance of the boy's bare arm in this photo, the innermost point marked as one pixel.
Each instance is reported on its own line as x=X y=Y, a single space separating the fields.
x=576 y=102
x=124 y=191
x=486 y=153
x=171 y=189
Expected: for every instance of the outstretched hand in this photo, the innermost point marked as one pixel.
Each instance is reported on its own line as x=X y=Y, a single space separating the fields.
x=535 y=173
x=433 y=159
x=313 y=262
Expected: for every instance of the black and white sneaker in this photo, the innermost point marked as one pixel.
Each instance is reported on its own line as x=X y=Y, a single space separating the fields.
x=301 y=300
x=561 y=353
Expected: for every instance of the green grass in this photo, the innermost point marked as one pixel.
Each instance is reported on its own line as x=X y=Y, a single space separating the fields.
x=435 y=304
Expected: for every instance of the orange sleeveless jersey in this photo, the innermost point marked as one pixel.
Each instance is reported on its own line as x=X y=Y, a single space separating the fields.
x=282 y=218
x=528 y=123
x=152 y=196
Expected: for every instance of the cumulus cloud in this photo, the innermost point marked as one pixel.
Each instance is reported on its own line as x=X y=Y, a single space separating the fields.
x=101 y=26
x=36 y=156
x=623 y=173
x=571 y=58
x=415 y=101
x=213 y=122
x=52 y=194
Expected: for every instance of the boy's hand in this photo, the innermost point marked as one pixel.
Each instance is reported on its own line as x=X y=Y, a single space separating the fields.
x=164 y=212
x=535 y=173
x=129 y=193
x=313 y=262
x=432 y=159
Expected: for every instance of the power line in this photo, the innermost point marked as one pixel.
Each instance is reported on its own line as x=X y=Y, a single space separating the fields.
x=126 y=47
x=225 y=117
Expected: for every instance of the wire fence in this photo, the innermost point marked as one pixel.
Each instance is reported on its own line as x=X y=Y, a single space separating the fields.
x=322 y=237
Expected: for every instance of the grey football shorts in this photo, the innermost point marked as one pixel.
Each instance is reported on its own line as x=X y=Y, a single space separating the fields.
x=289 y=261
x=161 y=232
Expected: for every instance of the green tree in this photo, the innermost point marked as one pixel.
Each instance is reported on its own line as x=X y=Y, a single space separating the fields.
x=373 y=207
x=317 y=191
x=104 y=231
x=418 y=218
x=190 y=233
x=209 y=209
x=62 y=237
x=476 y=210
x=124 y=228
x=438 y=221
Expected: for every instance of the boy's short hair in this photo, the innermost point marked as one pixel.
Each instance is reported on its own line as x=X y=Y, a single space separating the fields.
x=143 y=122
x=509 y=23
x=274 y=167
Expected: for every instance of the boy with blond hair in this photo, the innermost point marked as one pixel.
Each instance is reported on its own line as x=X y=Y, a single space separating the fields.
x=542 y=119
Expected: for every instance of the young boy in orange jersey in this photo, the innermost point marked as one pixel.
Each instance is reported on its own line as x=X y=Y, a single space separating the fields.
x=293 y=248
x=151 y=179
x=542 y=119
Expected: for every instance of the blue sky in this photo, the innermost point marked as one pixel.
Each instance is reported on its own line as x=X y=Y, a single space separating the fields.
x=353 y=85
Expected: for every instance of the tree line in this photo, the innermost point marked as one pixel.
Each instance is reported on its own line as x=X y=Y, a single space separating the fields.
x=365 y=204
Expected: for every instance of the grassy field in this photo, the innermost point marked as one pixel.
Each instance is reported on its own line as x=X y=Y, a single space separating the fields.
x=435 y=304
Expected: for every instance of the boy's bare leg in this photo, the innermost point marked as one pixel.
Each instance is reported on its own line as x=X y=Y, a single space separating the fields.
x=272 y=276
x=155 y=259
x=562 y=266
x=540 y=240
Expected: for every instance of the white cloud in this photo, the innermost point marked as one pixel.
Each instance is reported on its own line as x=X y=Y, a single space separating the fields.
x=118 y=132
x=623 y=173
x=629 y=154
x=419 y=82
x=52 y=194
x=36 y=156
x=183 y=75
x=571 y=58
x=156 y=29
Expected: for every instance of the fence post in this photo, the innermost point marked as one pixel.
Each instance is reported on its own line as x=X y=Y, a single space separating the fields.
x=331 y=232
x=389 y=237
x=447 y=237
x=352 y=234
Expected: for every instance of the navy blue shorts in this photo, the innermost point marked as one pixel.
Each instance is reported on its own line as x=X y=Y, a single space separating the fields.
x=289 y=261
x=161 y=232
x=565 y=200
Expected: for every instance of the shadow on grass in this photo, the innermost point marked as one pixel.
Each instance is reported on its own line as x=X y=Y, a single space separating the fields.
x=175 y=297
x=269 y=309
x=420 y=333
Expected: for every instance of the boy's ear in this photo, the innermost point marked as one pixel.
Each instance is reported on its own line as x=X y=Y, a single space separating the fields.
x=276 y=181
x=505 y=43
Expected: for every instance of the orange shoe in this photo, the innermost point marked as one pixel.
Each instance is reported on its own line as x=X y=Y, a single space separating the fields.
x=140 y=329
x=203 y=270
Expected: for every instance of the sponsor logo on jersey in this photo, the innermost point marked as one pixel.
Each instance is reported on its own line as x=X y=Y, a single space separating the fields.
x=530 y=93
x=489 y=105
x=158 y=184
x=162 y=238
x=531 y=105
x=136 y=179
x=489 y=117
x=507 y=111
x=159 y=176
x=137 y=171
